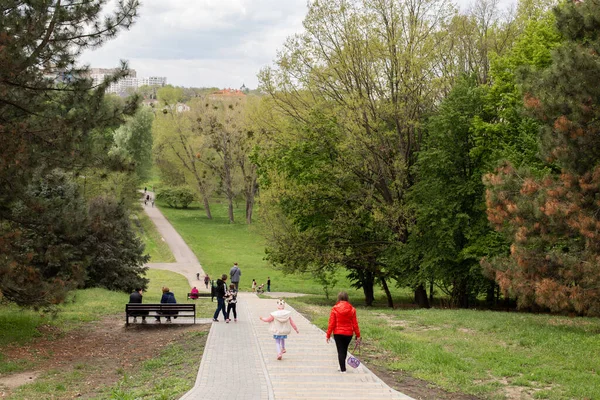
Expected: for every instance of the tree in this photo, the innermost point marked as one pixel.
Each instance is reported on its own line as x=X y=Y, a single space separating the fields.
x=176 y=144
x=50 y=117
x=41 y=242
x=222 y=125
x=553 y=220
x=116 y=254
x=369 y=66
x=133 y=142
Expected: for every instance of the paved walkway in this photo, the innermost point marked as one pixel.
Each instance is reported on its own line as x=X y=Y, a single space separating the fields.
x=239 y=360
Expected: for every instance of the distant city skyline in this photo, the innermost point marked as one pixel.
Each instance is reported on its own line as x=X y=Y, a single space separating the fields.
x=207 y=43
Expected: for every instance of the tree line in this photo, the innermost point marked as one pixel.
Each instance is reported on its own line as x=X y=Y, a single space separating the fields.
x=447 y=152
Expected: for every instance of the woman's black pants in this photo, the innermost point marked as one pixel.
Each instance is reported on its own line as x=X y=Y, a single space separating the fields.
x=342 y=342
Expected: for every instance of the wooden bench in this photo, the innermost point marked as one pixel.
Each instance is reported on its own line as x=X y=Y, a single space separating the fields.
x=199 y=295
x=159 y=310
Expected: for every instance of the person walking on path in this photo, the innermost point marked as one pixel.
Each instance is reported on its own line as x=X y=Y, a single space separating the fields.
x=136 y=298
x=206 y=280
x=231 y=297
x=235 y=273
x=167 y=298
x=343 y=324
x=268 y=283
x=280 y=324
x=254 y=285
x=198 y=276
x=221 y=289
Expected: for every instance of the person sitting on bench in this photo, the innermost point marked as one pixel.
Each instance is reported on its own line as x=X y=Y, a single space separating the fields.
x=169 y=298
x=136 y=298
x=194 y=293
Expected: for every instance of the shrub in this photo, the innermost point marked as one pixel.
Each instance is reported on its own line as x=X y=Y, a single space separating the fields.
x=176 y=197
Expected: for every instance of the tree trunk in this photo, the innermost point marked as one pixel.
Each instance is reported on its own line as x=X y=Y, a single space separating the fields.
x=250 y=194
x=421 y=296
x=207 y=207
x=230 y=209
x=490 y=296
x=367 y=285
x=461 y=294
x=249 y=209
x=386 y=289
x=431 y=291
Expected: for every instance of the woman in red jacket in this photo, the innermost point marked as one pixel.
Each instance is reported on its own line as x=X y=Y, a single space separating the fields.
x=343 y=324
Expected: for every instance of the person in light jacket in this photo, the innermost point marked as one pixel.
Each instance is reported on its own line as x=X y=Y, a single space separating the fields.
x=280 y=324
x=343 y=324
x=234 y=274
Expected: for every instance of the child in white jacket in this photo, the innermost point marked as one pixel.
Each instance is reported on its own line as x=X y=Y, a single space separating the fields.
x=281 y=324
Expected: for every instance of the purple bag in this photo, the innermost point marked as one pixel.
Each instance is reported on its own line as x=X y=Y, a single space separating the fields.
x=353 y=361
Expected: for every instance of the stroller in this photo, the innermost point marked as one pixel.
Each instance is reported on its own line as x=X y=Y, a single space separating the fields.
x=260 y=289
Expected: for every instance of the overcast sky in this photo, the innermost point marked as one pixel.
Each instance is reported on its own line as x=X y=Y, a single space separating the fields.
x=204 y=43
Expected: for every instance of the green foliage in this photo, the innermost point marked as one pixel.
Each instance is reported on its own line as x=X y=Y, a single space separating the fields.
x=452 y=233
x=176 y=197
x=133 y=142
x=116 y=254
x=51 y=118
x=553 y=220
x=42 y=248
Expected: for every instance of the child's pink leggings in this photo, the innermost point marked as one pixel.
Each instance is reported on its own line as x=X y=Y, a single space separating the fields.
x=280 y=343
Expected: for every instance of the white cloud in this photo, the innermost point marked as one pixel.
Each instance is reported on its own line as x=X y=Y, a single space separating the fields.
x=203 y=43
x=221 y=43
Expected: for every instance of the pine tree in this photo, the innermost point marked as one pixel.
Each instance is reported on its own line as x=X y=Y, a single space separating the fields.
x=554 y=221
x=51 y=119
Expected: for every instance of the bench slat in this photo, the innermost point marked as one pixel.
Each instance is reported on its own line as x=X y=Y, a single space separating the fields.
x=161 y=309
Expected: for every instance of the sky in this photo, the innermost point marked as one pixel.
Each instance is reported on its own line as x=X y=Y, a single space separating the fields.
x=204 y=43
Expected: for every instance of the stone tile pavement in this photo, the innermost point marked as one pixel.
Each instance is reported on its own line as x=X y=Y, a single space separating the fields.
x=239 y=362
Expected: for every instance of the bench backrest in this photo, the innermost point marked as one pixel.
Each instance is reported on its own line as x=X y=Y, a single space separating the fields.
x=160 y=307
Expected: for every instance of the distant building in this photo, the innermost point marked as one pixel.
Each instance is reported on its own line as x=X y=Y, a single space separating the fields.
x=130 y=81
x=227 y=93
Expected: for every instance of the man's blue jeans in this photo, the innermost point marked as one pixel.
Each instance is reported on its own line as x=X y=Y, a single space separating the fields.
x=220 y=306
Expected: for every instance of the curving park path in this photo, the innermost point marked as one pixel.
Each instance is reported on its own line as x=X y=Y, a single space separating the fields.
x=239 y=360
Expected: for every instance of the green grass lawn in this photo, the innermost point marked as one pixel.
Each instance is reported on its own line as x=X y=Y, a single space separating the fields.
x=156 y=247
x=21 y=326
x=492 y=355
x=218 y=244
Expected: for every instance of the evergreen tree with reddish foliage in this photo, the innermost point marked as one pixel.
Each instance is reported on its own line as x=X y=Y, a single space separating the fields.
x=554 y=220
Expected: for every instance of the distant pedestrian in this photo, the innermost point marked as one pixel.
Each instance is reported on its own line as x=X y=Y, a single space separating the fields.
x=343 y=324
x=235 y=273
x=136 y=298
x=268 y=283
x=153 y=202
x=197 y=276
x=231 y=297
x=220 y=291
x=206 y=280
x=253 y=285
x=145 y=189
x=281 y=324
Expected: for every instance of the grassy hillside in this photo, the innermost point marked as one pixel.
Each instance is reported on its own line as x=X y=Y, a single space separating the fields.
x=218 y=244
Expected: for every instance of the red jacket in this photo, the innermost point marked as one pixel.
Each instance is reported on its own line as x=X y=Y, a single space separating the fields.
x=342 y=320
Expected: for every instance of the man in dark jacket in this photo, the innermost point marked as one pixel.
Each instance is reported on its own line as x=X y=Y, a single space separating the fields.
x=220 y=291
x=136 y=298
